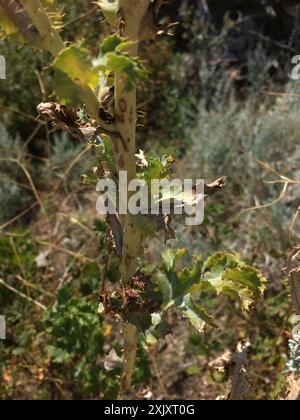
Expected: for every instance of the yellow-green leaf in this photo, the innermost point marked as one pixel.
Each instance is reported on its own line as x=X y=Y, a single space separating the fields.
x=75 y=62
x=109 y=10
x=74 y=72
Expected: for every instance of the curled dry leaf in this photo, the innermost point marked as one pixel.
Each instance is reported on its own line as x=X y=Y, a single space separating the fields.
x=112 y=361
x=214 y=187
x=162 y=223
x=219 y=363
x=134 y=302
x=66 y=118
x=116 y=232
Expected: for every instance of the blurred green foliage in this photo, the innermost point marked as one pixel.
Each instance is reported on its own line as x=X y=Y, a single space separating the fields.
x=76 y=345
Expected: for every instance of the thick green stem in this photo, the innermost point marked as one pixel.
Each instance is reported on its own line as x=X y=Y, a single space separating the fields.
x=130 y=16
x=50 y=38
x=130 y=349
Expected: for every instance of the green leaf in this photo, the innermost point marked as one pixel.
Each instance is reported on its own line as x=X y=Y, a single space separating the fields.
x=113 y=43
x=187 y=278
x=114 y=58
x=158 y=168
x=109 y=10
x=197 y=315
x=171 y=258
x=74 y=71
x=228 y=274
x=165 y=287
x=221 y=273
x=158 y=329
x=175 y=285
x=224 y=260
x=66 y=90
x=74 y=61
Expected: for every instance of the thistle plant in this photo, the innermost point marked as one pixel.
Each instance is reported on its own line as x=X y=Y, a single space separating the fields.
x=97 y=103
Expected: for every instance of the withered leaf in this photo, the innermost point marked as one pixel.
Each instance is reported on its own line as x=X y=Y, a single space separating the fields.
x=117 y=233
x=66 y=118
x=214 y=187
x=112 y=361
x=162 y=223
